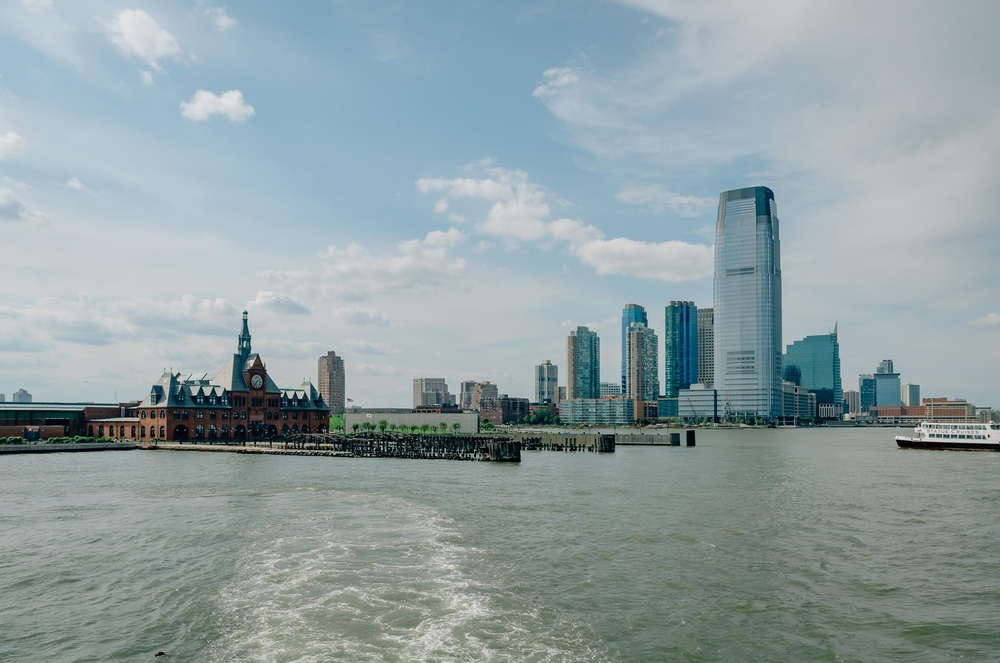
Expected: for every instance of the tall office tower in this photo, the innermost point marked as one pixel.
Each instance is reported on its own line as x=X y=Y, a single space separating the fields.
x=431 y=392
x=583 y=364
x=888 y=389
x=706 y=346
x=546 y=382
x=748 y=303
x=21 y=396
x=817 y=360
x=911 y=394
x=680 y=347
x=631 y=313
x=465 y=394
x=866 y=385
x=643 y=363
x=331 y=382
x=852 y=401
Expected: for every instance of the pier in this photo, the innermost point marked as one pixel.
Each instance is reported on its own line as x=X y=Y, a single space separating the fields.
x=56 y=448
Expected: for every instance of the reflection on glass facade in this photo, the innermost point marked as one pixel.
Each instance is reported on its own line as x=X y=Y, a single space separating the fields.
x=817 y=360
x=631 y=313
x=748 y=304
x=680 y=347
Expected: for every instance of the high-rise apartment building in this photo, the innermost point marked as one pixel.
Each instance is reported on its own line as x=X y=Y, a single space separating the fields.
x=21 y=396
x=680 y=347
x=643 y=369
x=583 y=364
x=631 y=313
x=817 y=360
x=888 y=389
x=852 y=401
x=465 y=394
x=747 y=307
x=331 y=382
x=866 y=385
x=706 y=346
x=610 y=389
x=546 y=382
x=911 y=394
x=482 y=391
x=431 y=392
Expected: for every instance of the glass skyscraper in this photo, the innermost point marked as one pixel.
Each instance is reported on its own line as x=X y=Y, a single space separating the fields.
x=631 y=313
x=680 y=347
x=748 y=304
x=583 y=364
x=817 y=359
x=643 y=364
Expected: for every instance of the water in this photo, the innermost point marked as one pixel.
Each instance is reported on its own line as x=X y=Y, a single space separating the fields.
x=810 y=545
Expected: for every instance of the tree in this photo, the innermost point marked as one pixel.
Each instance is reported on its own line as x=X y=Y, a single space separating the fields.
x=443 y=426
x=393 y=427
x=456 y=426
x=425 y=427
x=382 y=424
x=355 y=427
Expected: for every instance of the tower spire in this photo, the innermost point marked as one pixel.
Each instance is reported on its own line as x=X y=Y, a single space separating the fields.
x=244 y=344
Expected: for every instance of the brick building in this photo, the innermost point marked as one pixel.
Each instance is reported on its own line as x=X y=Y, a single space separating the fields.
x=503 y=409
x=240 y=402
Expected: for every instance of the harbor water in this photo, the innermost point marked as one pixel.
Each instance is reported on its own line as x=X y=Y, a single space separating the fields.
x=767 y=545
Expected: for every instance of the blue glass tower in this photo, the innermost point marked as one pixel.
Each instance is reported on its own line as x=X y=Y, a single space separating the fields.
x=631 y=313
x=680 y=347
x=817 y=359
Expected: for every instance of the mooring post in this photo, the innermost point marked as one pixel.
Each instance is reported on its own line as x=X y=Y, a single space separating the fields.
x=690 y=438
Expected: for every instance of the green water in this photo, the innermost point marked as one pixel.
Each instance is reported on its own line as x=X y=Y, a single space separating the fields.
x=822 y=545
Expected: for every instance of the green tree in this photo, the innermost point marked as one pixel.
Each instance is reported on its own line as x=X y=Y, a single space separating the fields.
x=425 y=427
x=382 y=425
x=355 y=427
x=443 y=426
x=456 y=426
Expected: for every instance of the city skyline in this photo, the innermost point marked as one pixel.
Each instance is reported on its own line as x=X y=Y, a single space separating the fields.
x=151 y=189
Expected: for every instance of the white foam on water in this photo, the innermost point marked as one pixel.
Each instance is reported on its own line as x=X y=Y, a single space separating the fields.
x=378 y=579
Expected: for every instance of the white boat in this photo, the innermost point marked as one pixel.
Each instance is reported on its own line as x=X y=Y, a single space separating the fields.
x=969 y=437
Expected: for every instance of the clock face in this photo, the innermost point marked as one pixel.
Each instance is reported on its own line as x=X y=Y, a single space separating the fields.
x=256 y=381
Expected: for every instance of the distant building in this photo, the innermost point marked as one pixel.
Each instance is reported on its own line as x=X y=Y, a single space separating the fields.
x=482 y=391
x=597 y=411
x=747 y=312
x=643 y=370
x=798 y=403
x=932 y=409
x=47 y=420
x=631 y=313
x=680 y=347
x=852 y=402
x=609 y=389
x=431 y=391
x=706 y=346
x=815 y=360
x=583 y=364
x=699 y=402
x=562 y=394
x=331 y=382
x=503 y=409
x=866 y=385
x=887 y=386
x=667 y=407
x=3 y=398
x=910 y=394
x=465 y=394
x=21 y=396
x=546 y=383
x=405 y=420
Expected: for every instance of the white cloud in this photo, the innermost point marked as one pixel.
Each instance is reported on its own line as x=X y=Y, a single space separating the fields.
x=369 y=348
x=554 y=78
x=441 y=206
x=661 y=261
x=146 y=77
x=417 y=263
x=11 y=145
x=205 y=104
x=354 y=315
x=277 y=302
x=223 y=21
x=988 y=320
x=656 y=198
x=76 y=184
x=456 y=218
x=12 y=209
x=371 y=369
x=136 y=33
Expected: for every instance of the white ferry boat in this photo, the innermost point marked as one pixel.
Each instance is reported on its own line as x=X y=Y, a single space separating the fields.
x=973 y=437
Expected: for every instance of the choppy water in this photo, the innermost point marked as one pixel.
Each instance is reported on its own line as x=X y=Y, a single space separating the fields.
x=824 y=545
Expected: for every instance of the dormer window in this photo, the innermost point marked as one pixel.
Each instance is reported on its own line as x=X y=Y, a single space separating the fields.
x=180 y=396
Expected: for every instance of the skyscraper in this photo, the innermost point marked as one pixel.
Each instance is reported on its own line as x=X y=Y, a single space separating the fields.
x=748 y=303
x=817 y=359
x=331 y=382
x=706 y=346
x=21 y=396
x=888 y=390
x=631 y=313
x=546 y=382
x=866 y=385
x=911 y=394
x=583 y=364
x=680 y=347
x=643 y=363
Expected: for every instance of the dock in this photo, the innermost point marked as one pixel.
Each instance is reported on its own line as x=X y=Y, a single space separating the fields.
x=59 y=448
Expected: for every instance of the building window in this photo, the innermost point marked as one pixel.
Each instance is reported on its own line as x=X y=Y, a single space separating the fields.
x=143 y=414
x=177 y=414
x=243 y=414
x=133 y=432
x=199 y=431
x=225 y=414
x=163 y=431
x=163 y=414
x=184 y=414
x=100 y=431
x=284 y=415
x=201 y=414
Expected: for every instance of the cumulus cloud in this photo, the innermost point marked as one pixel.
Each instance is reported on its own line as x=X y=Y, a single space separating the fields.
x=76 y=184
x=369 y=348
x=441 y=206
x=417 y=263
x=520 y=212
x=656 y=198
x=12 y=209
x=11 y=145
x=354 y=315
x=988 y=320
x=371 y=369
x=136 y=33
x=277 y=302
x=223 y=21
x=205 y=104
x=456 y=218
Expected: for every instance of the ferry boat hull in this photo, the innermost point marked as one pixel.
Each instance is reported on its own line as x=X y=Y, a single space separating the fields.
x=955 y=445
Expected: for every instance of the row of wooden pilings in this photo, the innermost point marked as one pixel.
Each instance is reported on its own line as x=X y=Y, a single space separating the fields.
x=495 y=448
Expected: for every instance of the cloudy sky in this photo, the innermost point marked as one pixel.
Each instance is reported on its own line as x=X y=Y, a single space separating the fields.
x=446 y=188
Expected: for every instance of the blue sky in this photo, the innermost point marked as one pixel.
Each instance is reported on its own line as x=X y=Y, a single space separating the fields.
x=447 y=188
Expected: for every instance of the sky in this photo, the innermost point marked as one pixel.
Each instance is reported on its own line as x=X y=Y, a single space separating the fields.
x=448 y=188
